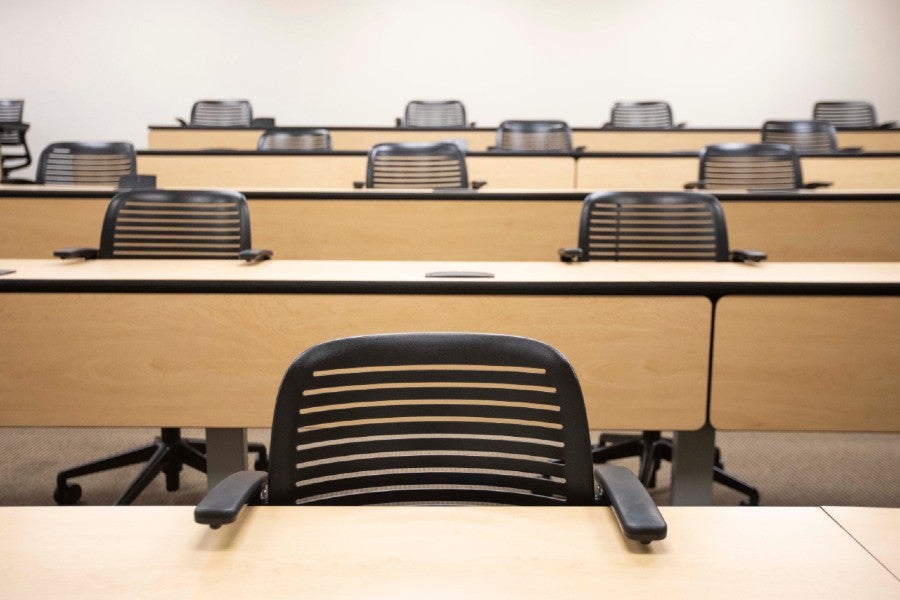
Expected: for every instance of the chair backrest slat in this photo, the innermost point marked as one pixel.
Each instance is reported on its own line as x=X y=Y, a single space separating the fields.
x=11 y=112
x=750 y=166
x=846 y=114
x=806 y=137
x=295 y=139
x=435 y=114
x=417 y=165
x=86 y=163
x=649 y=114
x=430 y=418
x=221 y=113
x=534 y=136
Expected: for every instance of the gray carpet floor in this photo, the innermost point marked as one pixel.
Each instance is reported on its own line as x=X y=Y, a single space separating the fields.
x=790 y=469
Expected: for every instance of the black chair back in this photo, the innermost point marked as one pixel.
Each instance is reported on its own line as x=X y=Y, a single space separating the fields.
x=650 y=114
x=86 y=163
x=435 y=114
x=417 y=166
x=534 y=136
x=846 y=114
x=221 y=113
x=806 y=137
x=750 y=166
x=295 y=139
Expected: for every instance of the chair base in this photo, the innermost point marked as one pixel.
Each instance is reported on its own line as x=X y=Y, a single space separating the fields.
x=168 y=454
x=652 y=448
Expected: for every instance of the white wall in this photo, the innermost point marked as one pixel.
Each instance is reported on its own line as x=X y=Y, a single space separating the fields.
x=105 y=69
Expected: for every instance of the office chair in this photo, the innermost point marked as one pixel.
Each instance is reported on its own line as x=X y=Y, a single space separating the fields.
x=417 y=165
x=806 y=137
x=534 y=136
x=648 y=114
x=849 y=115
x=655 y=226
x=752 y=167
x=174 y=225
x=12 y=137
x=433 y=418
x=220 y=113
x=295 y=138
x=85 y=163
x=434 y=114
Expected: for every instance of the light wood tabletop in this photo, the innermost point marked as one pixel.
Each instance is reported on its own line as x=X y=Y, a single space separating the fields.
x=877 y=529
x=435 y=552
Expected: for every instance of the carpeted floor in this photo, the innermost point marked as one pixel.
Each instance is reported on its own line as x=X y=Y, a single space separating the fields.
x=790 y=469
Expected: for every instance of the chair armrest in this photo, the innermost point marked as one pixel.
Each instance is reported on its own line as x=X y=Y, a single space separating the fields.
x=811 y=185
x=570 y=254
x=635 y=510
x=606 y=125
x=850 y=150
x=398 y=122
x=224 y=502
x=477 y=184
x=681 y=125
x=181 y=121
x=255 y=256
x=692 y=185
x=579 y=149
x=17 y=180
x=887 y=125
x=262 y=122
x=86 y=253
x=358 y=185
x=472 y=124
x=747 y=256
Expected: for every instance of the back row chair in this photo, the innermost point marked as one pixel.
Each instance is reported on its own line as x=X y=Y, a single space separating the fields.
x=655 y=226
x=845 y=114
x=648 y=114
x=295 y=138
x=806 y=137
x=434 y=114
x=14 y=152
x=175 y=225
x=86 y=163
x=415 y=165
x=534 y=136
x=433 y=418
x=225 y=113
x=752 y=167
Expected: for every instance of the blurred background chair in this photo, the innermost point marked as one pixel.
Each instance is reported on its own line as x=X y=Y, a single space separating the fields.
x=806 y=137
x=433 y=418
x=85 y=163
x=220 y=113
x=654 y=226
x=534 y=136
x=647 y=114
x=849 y=114
x=297 y=138
x=751 y=167
x=173 y=225
x=434 y=114
x=14 y=152
x=417 y=165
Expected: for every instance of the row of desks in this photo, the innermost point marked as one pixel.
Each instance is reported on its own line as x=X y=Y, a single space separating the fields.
x=448 y=552
x=530 y=225
x=480 y=139
x=240 y=169
x=204 y=343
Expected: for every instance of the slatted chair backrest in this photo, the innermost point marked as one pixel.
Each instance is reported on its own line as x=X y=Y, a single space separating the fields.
x=750 y=166
x=221 y=113
x=652 y=226
x=650 y=114
x=433 y=418
x=846 y=114
x=295 y=139
x=534 y=136
x=11 y=112
x=806 y=137
x=176 y=224
x=417 y=166
x=86 y=163
x=435 y=114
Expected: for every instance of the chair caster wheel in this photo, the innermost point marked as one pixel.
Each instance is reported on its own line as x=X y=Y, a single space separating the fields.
x=68 y=495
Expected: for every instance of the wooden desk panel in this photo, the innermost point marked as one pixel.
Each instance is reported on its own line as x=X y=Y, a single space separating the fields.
x=806 y=363
x=439 y=552
x=679 y=140
x=478 y=140
x=857 y=172
x=876 y=529
x=216 y=360
x=203 y=139
x=338 y=170
x=635 y=173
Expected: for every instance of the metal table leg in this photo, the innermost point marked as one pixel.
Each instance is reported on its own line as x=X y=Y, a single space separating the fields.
x=692 y=467
x=226 y=453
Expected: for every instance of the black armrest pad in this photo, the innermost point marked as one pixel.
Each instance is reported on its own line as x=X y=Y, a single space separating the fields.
x=887 y=125
x=578 y=149
x=262 y=122
x=681 y=125
x=850 y=150
x=398 y=122
x=223 y=503
x=638 y=516
x=472 y=124
x=86 y=253
x=181 y=121
x=255 y=256
x=811 y=185
x=358 y=185
x=570 y=254
x=477 y=184
x=745 y=256
x=692 y=185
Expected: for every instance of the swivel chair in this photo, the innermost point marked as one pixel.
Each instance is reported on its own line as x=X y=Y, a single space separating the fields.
x=648 y=114
x=655 y=226
x=14 y=152
x=853 y=114
x=220 y=113
x=751 y=167
x=174 y=225
x=85 y=163
x=434 y=114
x=295 y=138
x=534 y=136
x=432 y=418
x=806 y=137
x=415 y=165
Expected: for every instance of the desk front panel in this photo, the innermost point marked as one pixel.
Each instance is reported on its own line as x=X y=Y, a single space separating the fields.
x=433 y=551
x=216 y=360
x=423 y=229
x=806 y=363
x=263 y=170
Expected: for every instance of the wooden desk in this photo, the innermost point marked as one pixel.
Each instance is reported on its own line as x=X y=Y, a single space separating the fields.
x=479 y=139
x=338 y=169
x=216 y=336
x=672 y=171
x=435 y=552
x=876 y=529
x=821 y=225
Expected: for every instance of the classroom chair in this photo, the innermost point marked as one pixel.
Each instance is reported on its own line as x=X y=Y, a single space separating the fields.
x=806 y=137
x=14 y=152
x=295 y=138
x=849 y=114
x=86 y=163
x=434 y=114
x=646 y=114
x=534 y=136
x=417 y=165
x=752 y=167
